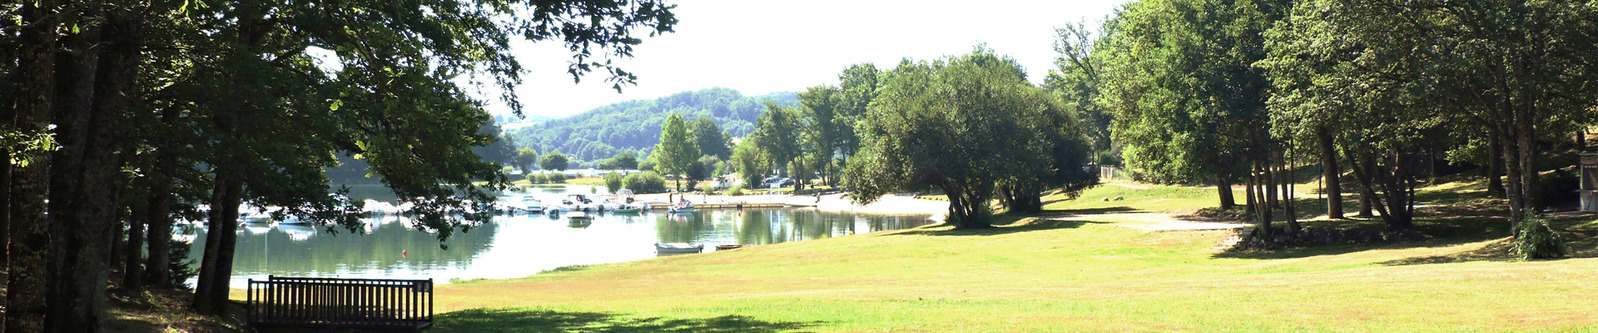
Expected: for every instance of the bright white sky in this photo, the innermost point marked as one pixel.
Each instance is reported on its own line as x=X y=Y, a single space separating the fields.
x=759 y=47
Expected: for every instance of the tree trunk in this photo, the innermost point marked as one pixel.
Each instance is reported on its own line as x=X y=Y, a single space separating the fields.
x=1531 y=185
x=160 y=219
x=210 y=294
x=1223 y=186
x=1495 y=165
x=27 y=281
x=133 y=264
x=1331 y=173
x=1512 y=171
x=1287 y=195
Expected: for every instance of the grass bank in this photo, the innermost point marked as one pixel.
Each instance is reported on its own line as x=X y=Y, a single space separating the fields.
x=1045 y=275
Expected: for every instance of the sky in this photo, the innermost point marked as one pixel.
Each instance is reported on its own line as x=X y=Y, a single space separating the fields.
x=760 y=47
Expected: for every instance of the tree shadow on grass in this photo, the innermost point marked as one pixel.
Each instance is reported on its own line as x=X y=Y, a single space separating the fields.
x=1000 y=227
x=522 y=320
x=1439 y=233
x=1579 y=231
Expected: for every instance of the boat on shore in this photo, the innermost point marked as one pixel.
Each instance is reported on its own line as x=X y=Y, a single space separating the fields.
x=678 y=248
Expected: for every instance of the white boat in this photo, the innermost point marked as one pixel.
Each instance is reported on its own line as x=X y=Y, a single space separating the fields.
x=530 y=204
x=683 y=207
x=678 y=248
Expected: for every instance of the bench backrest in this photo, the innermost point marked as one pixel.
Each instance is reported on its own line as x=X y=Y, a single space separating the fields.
x=335 y=302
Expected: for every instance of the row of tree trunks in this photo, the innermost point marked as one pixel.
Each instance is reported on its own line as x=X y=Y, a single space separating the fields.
x=29 y=241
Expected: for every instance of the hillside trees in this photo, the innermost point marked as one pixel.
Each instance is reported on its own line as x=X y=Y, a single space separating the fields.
x=934 y=124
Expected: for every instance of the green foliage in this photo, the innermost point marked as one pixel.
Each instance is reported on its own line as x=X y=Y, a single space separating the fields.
x=556 y=178
x=778 y=135
x=1178 y=76
x=554 y=161
x=645 y=182
x=746 y=159
x=710 y=138
x=179 y=267
x=625 y=160
x=525 y=158
x=857 y=87
x=677 y=152
x=646 y=165
x=961 y=124
x=1535 y=240
x=613 y=181
x=736 y=190
x=635 y=125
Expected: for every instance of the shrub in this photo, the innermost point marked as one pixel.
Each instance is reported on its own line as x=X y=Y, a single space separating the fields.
x=645 y=182
x=1535 y=240
x=736 y=190
x=613 y=181
x=708 y=188
x=557 y=178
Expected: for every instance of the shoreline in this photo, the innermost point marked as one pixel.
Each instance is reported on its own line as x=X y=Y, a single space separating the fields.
x=887 y=204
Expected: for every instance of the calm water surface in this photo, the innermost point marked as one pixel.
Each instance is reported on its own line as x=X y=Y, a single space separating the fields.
x=516 y=245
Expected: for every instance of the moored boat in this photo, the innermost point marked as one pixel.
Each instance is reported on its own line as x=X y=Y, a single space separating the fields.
x=678 y=248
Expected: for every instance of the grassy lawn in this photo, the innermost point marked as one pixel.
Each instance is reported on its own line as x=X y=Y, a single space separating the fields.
x=1044 y=275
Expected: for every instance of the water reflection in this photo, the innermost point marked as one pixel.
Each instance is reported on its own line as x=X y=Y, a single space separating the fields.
x=521 y=244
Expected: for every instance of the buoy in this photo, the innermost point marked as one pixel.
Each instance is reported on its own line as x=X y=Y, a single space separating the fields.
x=405 y=253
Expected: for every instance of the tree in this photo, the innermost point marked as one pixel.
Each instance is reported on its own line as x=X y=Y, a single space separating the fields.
x=777 y=134
x=1076 y=79
x=821 y=133
x=270 y=119
x=624 y=160
x=613 y=181
x=709 y=137
x=676 y=152
x=554 y=161
x=746 y=160
x=1469 y=67
x=525 y=158
x=857 y=87
x=961 y=124
x=1187 y=103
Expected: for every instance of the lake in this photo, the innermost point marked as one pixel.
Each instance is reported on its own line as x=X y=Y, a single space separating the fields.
x=517 y=245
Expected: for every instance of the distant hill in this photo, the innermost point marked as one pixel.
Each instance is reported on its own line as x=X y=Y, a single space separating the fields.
x=602 y=132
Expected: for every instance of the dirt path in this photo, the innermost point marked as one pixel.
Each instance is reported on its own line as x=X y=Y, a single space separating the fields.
x=1152 y=221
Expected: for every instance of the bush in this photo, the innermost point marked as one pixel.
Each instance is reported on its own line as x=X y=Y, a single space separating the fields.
x=645 y=182
x=708 y=188
x=557 y=178
x=613 y=181
x=1535 y=240
x=736 y=190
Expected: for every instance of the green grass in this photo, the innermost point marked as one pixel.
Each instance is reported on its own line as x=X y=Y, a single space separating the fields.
x=1044 y=275
x=1154 y=199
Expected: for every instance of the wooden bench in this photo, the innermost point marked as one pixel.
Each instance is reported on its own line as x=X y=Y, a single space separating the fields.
x=303 y=304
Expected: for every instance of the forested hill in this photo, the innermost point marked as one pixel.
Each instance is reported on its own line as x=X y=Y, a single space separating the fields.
x=602 y=132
